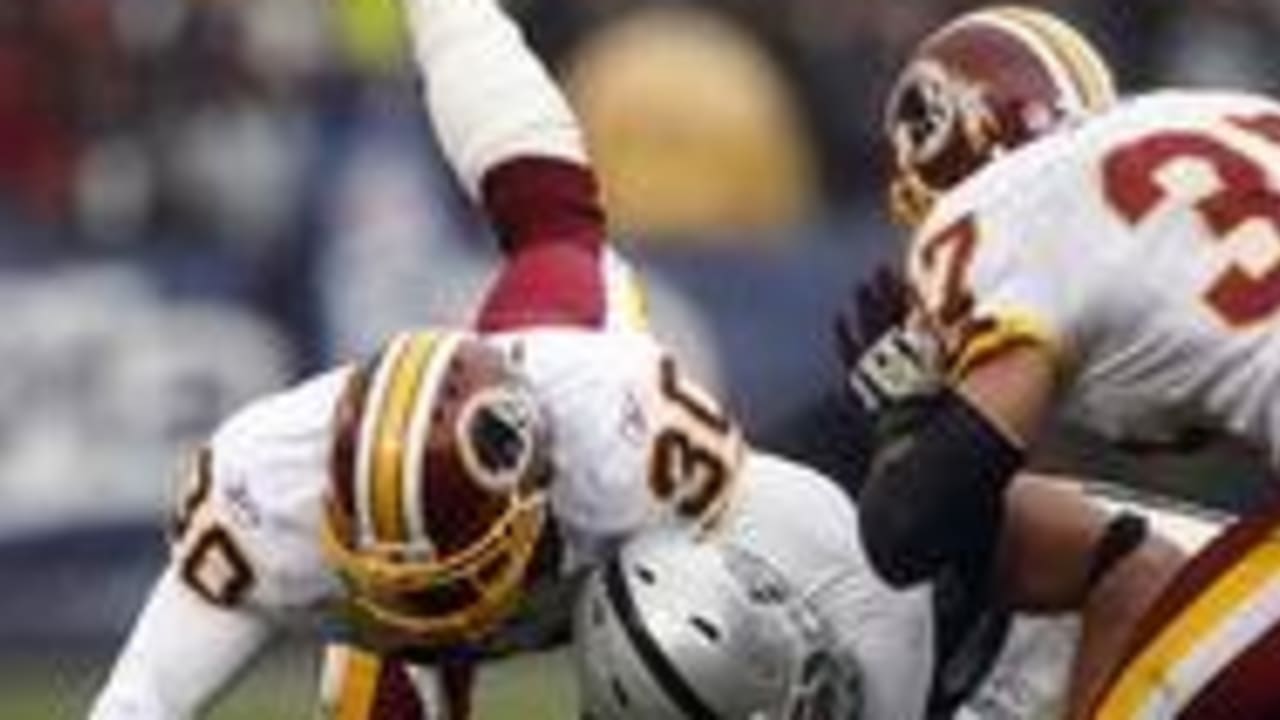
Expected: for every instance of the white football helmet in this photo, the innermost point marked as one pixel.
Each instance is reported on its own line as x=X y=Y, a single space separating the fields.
x=675 y=628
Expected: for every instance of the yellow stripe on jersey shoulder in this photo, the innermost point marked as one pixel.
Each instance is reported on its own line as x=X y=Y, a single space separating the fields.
x=988 y=336
x=626 y=298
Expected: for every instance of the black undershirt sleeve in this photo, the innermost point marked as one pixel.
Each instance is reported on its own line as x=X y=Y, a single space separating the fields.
x=934 y=497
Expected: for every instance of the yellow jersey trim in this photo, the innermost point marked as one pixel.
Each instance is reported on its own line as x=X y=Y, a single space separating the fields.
x=990 y=336
x=1143 y=679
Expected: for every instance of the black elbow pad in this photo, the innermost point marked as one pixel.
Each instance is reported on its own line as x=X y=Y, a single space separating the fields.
x=935 y=495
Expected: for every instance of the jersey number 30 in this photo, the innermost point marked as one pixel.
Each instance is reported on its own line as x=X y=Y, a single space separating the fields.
x=210 y=561
x=694 y=456
x=1244 y=193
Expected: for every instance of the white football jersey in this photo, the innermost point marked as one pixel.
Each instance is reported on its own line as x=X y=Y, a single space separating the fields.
x=635 y=442
x=609 y=397
x=1143 y=249
x=806 y=527
x=253 y=538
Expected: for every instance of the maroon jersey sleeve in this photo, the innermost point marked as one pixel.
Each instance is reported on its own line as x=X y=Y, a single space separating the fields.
x=551 y=226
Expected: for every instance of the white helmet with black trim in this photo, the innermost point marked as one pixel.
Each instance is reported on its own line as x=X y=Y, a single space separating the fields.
x=680 y=628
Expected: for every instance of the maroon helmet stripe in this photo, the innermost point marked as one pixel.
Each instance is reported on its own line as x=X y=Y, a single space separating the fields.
x=456 y=510
x=346 y=433
x=1057 y=52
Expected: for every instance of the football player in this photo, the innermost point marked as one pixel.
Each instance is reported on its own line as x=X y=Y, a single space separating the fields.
x=431 y=506
x=426 y=505
x=1117 y=263
x=772 y=618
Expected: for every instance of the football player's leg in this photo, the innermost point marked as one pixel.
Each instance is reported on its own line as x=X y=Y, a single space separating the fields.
x=1210 y=647
x=360 y=685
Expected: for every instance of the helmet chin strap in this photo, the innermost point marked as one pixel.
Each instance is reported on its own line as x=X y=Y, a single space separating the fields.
x=909 y=200
x=909 y=196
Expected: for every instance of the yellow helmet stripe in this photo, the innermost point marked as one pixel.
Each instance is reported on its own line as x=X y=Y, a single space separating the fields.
x=1093 y=70
x=366 y=439
x=387 y=498
x=419 y=430
x=1089 y=74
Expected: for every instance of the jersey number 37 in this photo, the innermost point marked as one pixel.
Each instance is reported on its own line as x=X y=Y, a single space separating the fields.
x=1244 y=293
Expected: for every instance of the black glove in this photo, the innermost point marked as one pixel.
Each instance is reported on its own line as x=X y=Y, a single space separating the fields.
x=886 y=362
x=874 y=307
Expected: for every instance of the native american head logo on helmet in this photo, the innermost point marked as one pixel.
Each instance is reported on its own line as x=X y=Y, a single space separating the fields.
x=437 y=498
x=981 y=85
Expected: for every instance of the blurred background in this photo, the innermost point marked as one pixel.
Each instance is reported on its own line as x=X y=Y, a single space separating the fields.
x=202 y=200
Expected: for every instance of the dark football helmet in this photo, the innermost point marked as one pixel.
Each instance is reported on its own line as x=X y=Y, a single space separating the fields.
x=436 y=499
x=985 y=83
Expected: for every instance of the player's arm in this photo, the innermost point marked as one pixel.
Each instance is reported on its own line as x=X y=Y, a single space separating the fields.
x=511 y=137
x=1061 y=550
x=183 y=651
x=195 y=633
x=935 y=494
x=957 y=497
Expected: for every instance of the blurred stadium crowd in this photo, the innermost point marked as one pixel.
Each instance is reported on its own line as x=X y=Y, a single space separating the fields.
x=200 y=200
x=151 y=125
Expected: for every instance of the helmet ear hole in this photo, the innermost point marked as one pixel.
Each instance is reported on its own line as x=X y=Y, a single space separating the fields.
x=923 y=112
x=646 y=575
x=910 y=104
x=706 y=628
x=499 y=438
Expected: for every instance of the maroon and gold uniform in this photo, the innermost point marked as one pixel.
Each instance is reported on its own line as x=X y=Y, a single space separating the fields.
x=308 y=499
x=1116 y=263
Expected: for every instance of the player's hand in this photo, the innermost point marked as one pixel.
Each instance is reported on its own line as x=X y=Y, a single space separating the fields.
x=874 y=307
x=886 y=361
x=901 y=365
